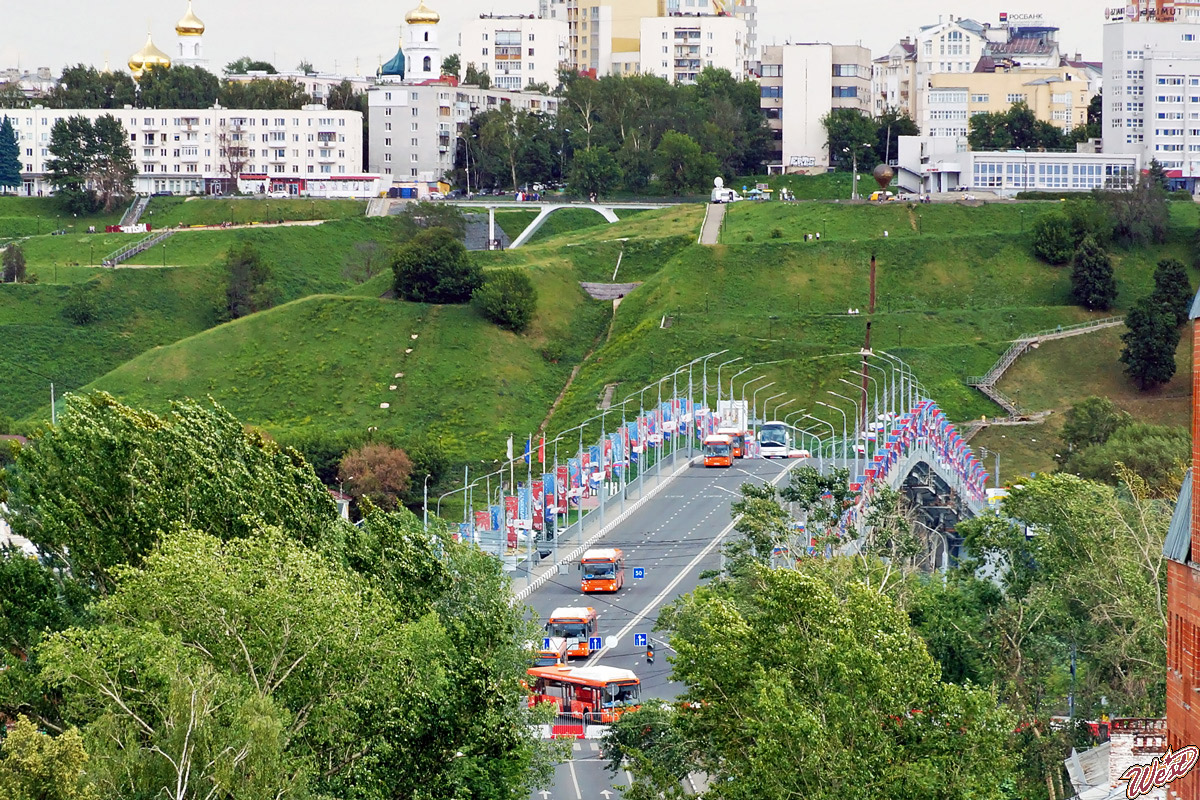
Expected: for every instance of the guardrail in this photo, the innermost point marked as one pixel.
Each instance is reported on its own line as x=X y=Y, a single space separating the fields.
x=130 y=250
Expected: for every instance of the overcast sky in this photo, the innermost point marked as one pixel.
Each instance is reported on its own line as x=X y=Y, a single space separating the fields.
x=338 y=34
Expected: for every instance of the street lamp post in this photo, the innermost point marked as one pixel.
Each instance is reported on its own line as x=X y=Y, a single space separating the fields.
x=781 y=405
x=821 y=450
x=719 y=368
x=857 y=416
x=754 y=398
x=425 y=501
x=704 y=376
x=853 y=151
x=767 y=403
x=735 y=377
x=845 y=454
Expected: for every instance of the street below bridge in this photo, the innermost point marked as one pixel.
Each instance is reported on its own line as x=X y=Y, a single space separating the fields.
x=674 y=538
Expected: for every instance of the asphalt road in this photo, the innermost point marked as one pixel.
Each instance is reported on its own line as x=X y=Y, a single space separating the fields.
x=674 y=538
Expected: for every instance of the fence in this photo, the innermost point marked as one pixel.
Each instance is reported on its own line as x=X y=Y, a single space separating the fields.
x=129 y=251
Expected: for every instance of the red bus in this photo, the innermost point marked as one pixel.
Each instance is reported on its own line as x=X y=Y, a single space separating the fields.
x=603 y=694
x=603 y=570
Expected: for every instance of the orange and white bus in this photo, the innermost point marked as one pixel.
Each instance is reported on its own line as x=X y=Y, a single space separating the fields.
x=737 y=438
x=602 y=694
x=556 y=653
x=718 y=451
x=603 y=570
x=575 y=626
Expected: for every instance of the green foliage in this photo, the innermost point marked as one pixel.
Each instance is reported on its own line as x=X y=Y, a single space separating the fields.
x=424 y=216
x=763 y=524
x=10 y=156
x=850 y=134
x=1053 y=238
x=1150 y=343
x=1157 y=174
x=452 y=65
x=893 y=124
x=13 y=261
x=250 y=286
x=849 y=694
x=84 y=87
x=91 y=165
x=1091 y=422
x=681 y=165
x=98 y=490
x=1157 y=454
x=594 y=171
x=246 y=64
x=264 y=93
x=343 y=97
x=1094 y=128
x=178 y=87
x=473 y=77
x=1138 y=215
x=1093 y=284
x=1172 y=289
x=81 y=307
x=507 y=297
x=1015 y=129
x=433 y=267
x=36 y=766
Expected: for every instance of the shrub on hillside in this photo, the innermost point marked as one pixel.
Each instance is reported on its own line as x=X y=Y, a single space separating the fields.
x=1150 y=343
x=1053 y=238
x=14 y=264
x=507 y=298
x=250 y=288
x=1090 y=422
x=1092 y=283
x=433 y=267
x=376 y=471
x=1172 y=288
x=1157 y=453
x=81 y=307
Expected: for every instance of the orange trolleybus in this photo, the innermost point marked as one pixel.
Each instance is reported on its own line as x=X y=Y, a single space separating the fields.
x=603 y=570
x=575 y=626
x=603 y=694
x=718 y=451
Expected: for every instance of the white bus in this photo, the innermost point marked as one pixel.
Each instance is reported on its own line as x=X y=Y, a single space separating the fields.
x=774 y=440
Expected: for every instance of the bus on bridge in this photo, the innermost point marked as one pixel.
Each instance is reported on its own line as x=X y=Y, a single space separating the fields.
x=603 y=570
x=718 y=451
x=599 y=694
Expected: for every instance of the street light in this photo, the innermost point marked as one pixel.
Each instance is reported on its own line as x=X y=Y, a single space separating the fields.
x=832 y=435
x=754 y=398
x=853 y=151
x=747 y=383
x=845 y=454
x=781 y=405
x=719 y=368
x=735 y=377
x=704 y=391
x=767 y=403
x=857 y=416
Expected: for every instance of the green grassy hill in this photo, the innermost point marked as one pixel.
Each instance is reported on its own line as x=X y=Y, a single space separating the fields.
x=164 y=212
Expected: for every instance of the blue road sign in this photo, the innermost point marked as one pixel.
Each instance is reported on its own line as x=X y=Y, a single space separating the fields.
x=595 y=643
x=546 y=643
x=639 y=573
x=639 y=640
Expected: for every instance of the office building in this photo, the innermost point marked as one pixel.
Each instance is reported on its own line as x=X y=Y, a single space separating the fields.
x=205 y=151
x=799 y=85
x=515 y=51
x=679 y=47
x=1058 y=95
x=1152 y=90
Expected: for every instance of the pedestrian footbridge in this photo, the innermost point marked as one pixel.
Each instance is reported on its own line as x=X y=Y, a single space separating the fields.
x=606 y=210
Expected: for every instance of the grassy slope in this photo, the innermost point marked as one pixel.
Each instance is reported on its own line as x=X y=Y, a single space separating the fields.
x=29 y=216
x=170 y=211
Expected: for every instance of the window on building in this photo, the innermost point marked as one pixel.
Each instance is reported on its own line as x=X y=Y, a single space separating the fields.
x=979 y=98
x=767 y=91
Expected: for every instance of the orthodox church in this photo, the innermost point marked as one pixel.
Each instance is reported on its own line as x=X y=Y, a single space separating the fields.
x=419 y=58
x=189 y=47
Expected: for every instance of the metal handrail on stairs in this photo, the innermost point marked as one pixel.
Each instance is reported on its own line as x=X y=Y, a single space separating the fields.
x=129 y=251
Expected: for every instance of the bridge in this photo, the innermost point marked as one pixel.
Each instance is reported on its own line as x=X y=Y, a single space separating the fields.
x=641 y=486
x=545 y=209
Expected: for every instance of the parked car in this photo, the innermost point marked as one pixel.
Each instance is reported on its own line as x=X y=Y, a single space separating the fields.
x=278 y=195
x=436 y=196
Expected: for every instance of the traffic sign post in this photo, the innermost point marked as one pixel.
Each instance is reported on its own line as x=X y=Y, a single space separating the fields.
x=639 y=573
x=545 y=642
x=595 y=643
x=640 y=640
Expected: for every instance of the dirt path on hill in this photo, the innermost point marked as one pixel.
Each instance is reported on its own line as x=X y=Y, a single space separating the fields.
x=607 y=337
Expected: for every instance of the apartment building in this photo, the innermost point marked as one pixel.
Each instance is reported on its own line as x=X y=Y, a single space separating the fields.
x=1058 y=95
x=1152 y=88
x=892 y=78
x=515 y=51
x=600 y=32
x=203 y=151
x=679 y=47
x=953 y=45
x=317 y=85
x=414 y=128
x=799 y=85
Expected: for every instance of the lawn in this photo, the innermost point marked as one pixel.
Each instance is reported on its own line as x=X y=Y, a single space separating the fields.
x=30 y=216
x=165 y=212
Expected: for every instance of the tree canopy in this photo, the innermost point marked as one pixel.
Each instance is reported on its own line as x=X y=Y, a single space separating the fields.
x=91 y=165
x=1015 y=129
x=433 y=267
x=1150 y=343
x=10 y=156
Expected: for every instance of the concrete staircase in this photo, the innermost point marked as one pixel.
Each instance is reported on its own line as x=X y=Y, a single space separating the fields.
x=714 y=219
x=135 y=210
x=127 y=252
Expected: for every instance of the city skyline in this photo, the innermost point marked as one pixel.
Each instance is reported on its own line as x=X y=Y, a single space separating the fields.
x=361 y=35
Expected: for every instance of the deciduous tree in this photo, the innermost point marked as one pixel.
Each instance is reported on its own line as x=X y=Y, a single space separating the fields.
x=1092 y=421
x=433 y=267
x=452 y=65
x=249 y=288
x=681 y=165
x=13 y=262
x=91 y=165
x=1093 y=284
x=508 y=298
x=1150 y=343
x=594 y=171
x=246 y=64
x=1053 y=238
x=377 y=472
x=35 y=766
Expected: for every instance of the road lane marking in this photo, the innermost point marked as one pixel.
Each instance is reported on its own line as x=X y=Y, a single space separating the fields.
x=574 y=779
x=708 y=548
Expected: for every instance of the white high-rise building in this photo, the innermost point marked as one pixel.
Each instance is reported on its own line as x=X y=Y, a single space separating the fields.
x=1152 y=93
x=679 y=48
x=954 y=45
x=515 y=51
x=189 y=40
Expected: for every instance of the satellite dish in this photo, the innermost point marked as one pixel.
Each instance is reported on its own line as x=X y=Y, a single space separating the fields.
x=718 y=182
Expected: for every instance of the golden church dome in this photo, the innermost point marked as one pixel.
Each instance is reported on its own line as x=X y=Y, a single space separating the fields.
x=190 y=25
x=422 y=16
x=149 y=56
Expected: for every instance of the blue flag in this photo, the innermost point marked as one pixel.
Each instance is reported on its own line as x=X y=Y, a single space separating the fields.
x=528 y=446
x=497 y=517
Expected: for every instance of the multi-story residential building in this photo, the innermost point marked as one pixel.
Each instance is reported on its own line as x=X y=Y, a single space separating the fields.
x=205 y=151
x=892 y=77
x=679 y=47
x=1152 y=90
x=799 y=85
x=515 y=51
x=317 y=85
x=954 y=45
x=600 y=32
x=31 y=84
x=414 y=128
x=745 y=10
x=1058 y=95
x=938 y=164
